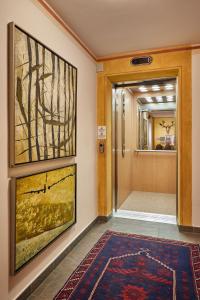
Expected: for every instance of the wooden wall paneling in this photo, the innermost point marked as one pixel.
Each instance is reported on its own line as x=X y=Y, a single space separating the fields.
x=109 y=156
x=185 y=145
x=148 y=52
x=154 y=172
x=125 y=163
x=164 y=65
x=101 y=157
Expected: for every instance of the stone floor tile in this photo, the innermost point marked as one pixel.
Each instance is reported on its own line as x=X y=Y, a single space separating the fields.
x=52 y=284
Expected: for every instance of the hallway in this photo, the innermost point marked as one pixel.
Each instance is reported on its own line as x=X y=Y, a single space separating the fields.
x=100 y=131
x=52 y=284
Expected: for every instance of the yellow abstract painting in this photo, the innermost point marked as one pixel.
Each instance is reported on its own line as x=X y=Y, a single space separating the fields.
x=44 y=102
x=45 y=207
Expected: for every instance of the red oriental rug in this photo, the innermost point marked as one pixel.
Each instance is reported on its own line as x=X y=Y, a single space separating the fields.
x=134 y=267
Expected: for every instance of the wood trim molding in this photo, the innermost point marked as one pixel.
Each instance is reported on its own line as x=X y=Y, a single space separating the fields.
x=148 y=52
x=58 y=18
x=189 y=229
x=113 y=56
x=172 y=64
x=104 y=219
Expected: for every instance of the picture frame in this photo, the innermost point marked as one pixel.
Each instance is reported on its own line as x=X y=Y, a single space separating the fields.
x=42 y=92
x=42 y=208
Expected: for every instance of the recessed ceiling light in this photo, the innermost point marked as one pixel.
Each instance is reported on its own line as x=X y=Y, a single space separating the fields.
x=143 y=89
x=149 y=99
x=155 y=88
x=170 y=98
x=169 y=87
x=159 y=99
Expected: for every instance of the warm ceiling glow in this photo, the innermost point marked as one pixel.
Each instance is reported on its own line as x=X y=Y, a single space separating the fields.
x=143 y=89
x=169 y=87
x=155 y=88
x=149 y=99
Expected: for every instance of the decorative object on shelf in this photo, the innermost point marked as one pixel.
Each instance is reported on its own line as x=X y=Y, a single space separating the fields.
x=159 y=147
x=164 y=132
x=42 y=100
x=43 y=206
x=167 y=126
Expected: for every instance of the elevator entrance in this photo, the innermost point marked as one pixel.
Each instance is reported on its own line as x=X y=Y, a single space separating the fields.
x=145 y=143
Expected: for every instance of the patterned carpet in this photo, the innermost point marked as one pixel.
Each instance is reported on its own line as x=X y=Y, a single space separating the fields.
x=126 y=266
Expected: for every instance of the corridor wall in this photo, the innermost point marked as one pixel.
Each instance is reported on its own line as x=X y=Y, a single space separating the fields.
x=31 y=17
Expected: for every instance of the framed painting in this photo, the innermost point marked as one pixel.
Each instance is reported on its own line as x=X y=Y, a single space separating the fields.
x=42 y=101
x=43 y=206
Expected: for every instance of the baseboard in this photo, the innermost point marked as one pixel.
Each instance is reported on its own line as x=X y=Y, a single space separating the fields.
x=189 y=229
x=104 y=219
x=30 y=289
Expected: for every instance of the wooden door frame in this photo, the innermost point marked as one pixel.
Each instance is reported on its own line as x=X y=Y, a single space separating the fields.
x=173 y=64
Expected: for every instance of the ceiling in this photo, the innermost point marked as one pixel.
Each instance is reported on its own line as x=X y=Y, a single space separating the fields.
x=115 y=26
x=154 y=91
x=159 y=99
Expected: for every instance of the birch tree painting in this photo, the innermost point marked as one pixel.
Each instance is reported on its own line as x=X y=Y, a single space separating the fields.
x=45 y=102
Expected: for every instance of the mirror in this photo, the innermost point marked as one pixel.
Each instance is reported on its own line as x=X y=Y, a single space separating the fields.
x=157 y=129
x=156 y=120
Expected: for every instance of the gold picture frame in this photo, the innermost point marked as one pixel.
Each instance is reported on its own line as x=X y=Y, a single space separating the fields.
x=43 y=206
x=42 y=91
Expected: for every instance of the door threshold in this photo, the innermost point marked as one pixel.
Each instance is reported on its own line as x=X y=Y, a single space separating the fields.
x=152 y=217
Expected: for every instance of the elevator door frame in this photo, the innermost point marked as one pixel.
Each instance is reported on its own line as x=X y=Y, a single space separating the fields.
x=115 y=144
x=170 y=64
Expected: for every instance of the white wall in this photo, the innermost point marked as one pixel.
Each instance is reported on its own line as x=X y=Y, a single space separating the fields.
x=30 y=16
x=196 y=138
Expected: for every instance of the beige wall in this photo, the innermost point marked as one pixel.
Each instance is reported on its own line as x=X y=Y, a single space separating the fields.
x=196 y=138
x=31 y=17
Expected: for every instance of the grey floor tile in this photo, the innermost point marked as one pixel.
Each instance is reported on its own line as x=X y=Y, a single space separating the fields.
x=52 y=284
x=32 y=297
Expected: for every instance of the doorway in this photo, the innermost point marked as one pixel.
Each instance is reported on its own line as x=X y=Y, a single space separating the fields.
x=167 y=65
x=145 y=142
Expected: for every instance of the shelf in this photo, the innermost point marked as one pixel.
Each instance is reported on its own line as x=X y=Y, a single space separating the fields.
x=155 y=151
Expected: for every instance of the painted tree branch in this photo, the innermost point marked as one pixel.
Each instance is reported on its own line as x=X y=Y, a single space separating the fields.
x=51 y=109
x=42 y=77
x=69 y=104
x=65 y=107
x=47 y=187
x=58 y=103
x=29 y=97
x=37 y=100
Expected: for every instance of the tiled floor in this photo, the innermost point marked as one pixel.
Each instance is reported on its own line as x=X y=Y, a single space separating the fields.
x=158 y=203
x=57 y=278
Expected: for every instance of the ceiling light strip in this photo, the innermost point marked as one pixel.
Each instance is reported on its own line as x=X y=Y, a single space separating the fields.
x=149 y=99
x=155 y=88
x=170 y=98
x=143 y=89
x=159 y=99
x=169 y=87
x=56 y=16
